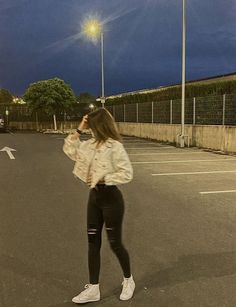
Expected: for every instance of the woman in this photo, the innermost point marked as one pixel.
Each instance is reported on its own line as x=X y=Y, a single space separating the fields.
x=102 y=163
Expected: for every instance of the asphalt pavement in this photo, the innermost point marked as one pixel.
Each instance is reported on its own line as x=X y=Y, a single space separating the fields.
x=179 y=226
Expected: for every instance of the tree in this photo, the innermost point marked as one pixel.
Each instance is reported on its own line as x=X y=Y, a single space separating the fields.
x=51 y=96
x=5 y=96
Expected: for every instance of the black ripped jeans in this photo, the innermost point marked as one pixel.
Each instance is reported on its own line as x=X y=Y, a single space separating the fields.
x=105 y=204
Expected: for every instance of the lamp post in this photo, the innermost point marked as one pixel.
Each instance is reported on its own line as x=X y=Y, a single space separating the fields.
x=183 y=75
x=102 y=63
x=92 y=28
x=7 y=115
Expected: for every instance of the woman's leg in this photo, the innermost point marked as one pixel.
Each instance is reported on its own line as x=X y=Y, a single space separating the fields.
x=94 y=226
x=113 y=211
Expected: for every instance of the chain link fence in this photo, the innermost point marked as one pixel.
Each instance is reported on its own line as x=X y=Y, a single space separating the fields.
x=210 y=110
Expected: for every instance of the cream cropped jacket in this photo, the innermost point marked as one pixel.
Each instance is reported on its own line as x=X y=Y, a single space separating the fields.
x=109 y=163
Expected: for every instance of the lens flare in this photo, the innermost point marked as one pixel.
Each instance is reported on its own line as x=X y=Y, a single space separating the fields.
x=91 y=28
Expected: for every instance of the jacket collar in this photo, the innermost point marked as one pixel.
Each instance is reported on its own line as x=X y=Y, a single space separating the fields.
x=107 y=144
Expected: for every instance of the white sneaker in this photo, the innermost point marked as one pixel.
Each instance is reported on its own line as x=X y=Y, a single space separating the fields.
x=90 y=294
x=128 y=288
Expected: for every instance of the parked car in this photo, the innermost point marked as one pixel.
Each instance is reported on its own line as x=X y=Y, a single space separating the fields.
x=2 y=124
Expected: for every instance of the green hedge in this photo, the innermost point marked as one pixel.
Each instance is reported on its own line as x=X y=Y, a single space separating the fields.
x=174 y=92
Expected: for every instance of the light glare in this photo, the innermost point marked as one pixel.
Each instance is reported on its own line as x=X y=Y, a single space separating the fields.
x=92 y=28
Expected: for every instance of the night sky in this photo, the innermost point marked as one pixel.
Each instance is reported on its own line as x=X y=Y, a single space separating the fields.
x=40 y=39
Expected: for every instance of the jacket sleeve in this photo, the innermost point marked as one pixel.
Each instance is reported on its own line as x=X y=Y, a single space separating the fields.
x=124 y=170
x=70 y=147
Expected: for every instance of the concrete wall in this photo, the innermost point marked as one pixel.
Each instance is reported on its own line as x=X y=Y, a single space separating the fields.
x=209 y=136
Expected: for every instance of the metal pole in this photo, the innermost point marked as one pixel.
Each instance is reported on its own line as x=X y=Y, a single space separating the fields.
x=171 y=111
x=37 y=121
x=223 y=119
x=137 y=112
x=114 y=112
x=152 y=112
x=102 y=62
x=64 y=121
x=183 y=74
x=194 y=110
x=7 y=115
x=124 y=113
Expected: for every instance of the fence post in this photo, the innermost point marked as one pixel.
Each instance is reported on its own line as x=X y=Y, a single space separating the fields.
x=137 y=112
x=194 y=111
x=114 y=112
x=223 y=119
x=37 y=121
x=171 y=111
x=124 y=113
x=152 y=112
x=64 y=121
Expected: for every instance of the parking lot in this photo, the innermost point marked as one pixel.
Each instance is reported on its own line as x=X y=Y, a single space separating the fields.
x=179 y=227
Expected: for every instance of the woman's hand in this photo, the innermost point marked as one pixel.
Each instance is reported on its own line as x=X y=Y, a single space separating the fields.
x=84 y=123
x=89 y=181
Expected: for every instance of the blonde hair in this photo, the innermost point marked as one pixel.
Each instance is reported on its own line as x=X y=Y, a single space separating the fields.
x=103 y=125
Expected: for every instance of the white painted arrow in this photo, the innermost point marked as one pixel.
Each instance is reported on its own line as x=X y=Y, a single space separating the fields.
x=8 y=151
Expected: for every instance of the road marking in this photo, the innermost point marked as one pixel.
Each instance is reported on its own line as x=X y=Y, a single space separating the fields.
x=8 y=150
x=127 y=143
x=131 y=137
x=165 y=153
x=217 y=192
x=192 y=173
x=141 y=143
x=180 y=161
x=154 y=147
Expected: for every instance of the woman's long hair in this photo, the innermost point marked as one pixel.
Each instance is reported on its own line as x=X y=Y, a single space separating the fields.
x=103 y=125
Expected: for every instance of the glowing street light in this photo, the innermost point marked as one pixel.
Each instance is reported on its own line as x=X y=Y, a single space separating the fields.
x=92 y=28
x=7 y=115
x=91 y=106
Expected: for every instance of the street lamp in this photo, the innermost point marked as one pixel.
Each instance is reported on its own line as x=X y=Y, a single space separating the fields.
x=92 y=28
x=7 y=115
x=181 y=136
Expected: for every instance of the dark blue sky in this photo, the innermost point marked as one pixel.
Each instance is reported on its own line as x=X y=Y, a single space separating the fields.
x=142 y=43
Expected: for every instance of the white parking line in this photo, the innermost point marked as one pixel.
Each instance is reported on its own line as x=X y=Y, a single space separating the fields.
x=180 y=161
x=165 y=153
x=154 y=147
x=141 y=143
x=131 y=137
x=193 y=173
x=217 y=192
